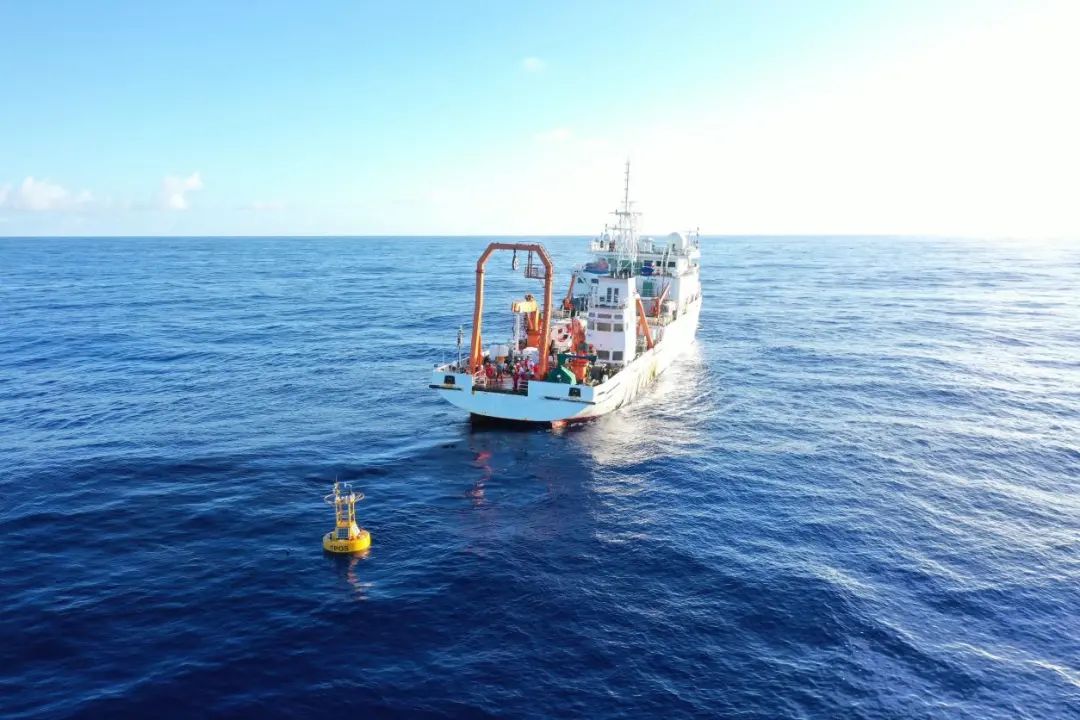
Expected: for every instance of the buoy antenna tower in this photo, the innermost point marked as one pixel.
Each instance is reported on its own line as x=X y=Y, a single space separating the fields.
x=347 y=536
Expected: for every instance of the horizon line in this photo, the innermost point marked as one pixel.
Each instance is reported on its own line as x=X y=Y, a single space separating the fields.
x=892 y=235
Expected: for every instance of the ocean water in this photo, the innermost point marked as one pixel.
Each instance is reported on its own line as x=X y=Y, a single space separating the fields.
x=858 y=495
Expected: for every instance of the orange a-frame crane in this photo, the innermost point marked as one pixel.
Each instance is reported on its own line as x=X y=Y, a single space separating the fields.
x=643 y=323
x=476 y=350
x=568 y=301
x=660 y=301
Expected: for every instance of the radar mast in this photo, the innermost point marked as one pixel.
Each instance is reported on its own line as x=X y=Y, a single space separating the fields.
x=624 y=233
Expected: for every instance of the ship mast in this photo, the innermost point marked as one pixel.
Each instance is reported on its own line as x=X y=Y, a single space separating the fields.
x=625 y=231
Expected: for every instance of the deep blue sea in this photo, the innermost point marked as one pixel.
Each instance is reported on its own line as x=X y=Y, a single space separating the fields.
x=858 y=496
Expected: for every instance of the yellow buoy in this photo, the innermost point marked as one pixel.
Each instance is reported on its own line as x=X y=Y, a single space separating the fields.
x=347 y=536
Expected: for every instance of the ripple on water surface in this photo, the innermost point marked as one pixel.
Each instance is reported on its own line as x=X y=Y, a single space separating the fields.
x=856 y=495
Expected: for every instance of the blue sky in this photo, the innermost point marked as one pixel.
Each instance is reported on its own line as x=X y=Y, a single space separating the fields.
x=458 y=118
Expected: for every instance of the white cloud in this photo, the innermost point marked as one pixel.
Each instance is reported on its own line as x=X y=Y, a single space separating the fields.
x=40 y=195
x=966 y=134
x=969 y=136
x=554 y=135
x=174 y=190
x=533 y=64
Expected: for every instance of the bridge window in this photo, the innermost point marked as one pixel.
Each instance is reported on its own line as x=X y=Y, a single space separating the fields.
x=616 y=355
x=602 y=354
x=618 y=327
x=603 y=327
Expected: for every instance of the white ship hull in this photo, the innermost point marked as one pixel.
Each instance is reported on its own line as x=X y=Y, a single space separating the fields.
x=548 y=402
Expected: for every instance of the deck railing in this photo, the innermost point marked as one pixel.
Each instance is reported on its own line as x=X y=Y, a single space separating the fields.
x=503 y=385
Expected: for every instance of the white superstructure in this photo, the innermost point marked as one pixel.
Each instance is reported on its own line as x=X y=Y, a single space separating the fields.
x=628 y=315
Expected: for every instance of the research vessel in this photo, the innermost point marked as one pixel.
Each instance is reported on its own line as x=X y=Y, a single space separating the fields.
x=627 y=315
